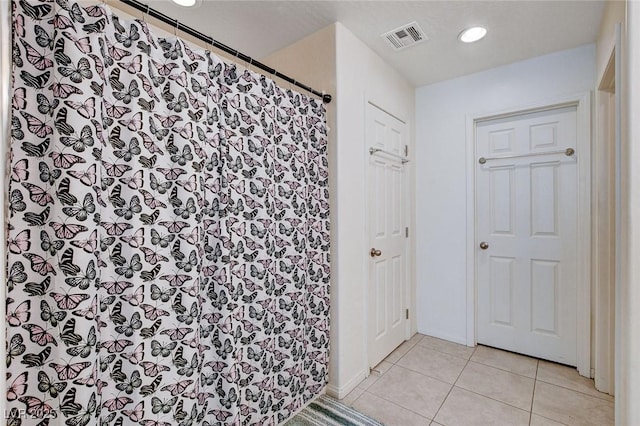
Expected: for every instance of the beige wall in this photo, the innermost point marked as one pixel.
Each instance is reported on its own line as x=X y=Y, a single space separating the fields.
x=359 y=76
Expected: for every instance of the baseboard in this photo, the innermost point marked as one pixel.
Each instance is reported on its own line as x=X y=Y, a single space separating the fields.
x=340 y=392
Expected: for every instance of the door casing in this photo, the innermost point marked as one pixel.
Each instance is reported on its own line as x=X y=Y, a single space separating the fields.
x=582 y=101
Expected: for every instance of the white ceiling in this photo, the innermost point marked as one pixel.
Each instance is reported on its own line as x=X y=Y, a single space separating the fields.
x=517 y=29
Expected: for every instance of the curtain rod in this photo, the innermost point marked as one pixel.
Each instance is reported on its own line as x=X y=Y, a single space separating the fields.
x=148 y=10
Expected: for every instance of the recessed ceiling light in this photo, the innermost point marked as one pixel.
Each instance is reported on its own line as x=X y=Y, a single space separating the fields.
x=186 y=3
x=470 y=34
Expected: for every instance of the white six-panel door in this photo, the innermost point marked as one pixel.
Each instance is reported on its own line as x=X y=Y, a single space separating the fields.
x=526 y=234
x=386 y=224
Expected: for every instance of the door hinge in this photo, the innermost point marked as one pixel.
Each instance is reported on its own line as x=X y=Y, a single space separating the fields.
x=407 y=313
x=406 y=150
x=406 y=232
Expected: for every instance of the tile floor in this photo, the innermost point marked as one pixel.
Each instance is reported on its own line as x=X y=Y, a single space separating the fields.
x=428 y=381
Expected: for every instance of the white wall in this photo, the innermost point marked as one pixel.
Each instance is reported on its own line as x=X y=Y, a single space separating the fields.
x=604 y=199
x=362 y=76
x=613 y=13
x=441 y=113
x=628 y=322
x=359 y=76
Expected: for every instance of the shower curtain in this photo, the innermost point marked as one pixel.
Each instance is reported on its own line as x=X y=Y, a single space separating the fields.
x=168 y=234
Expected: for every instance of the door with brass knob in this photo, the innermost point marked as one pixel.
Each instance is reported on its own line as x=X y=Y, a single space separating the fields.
x=386 y=226
x=527 y=211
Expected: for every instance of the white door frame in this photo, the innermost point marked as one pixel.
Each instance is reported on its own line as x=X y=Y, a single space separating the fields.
x=582 y=101
x=407 y=219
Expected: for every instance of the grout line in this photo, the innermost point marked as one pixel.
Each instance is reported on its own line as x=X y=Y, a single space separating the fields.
x=533 y=394
x=493 y=399
x=359 y=396
x=508 y=371
x=577 y=391
x=448 y=353
x=559 y=422
x=398 y=405
x=426 y=375
x=451 y=388
x=581 y=392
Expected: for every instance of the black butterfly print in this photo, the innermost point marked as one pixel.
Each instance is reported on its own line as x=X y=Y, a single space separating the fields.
x=16 y=129
x=127 y=39
x=78 y=72
x=63 y=194
x=128 y=95
x=80 y=143
x=95 y=27
x=37 y=12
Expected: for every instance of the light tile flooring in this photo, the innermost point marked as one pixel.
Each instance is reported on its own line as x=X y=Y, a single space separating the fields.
x=428 y=381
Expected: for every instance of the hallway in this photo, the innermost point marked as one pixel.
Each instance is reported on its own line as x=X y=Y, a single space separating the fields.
x=428 y=381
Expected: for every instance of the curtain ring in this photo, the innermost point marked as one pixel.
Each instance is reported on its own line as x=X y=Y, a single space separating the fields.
x=176 y=27
x=145 y=14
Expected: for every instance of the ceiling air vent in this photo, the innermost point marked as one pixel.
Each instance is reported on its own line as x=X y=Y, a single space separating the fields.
x=405 y=36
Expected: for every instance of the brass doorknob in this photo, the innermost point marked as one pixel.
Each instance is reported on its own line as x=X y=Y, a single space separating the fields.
x=375 y=252
x=484 y=245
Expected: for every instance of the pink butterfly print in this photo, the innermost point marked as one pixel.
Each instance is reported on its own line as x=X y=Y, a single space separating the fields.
x=69 y=371
x=38 y=194
x=18 y=387
x=20 y=243
x=136 y=240
x=136 y=356
x=115 y=346
x=37 y=407
x=67 y=230
x=20 y=315
x=152 y=312
x=136 y=414
x=151 y=369
x=136 y=298
x=116 y=287
x=40 y=265
x=178 y=387
x=116 y=404
x=177 y=333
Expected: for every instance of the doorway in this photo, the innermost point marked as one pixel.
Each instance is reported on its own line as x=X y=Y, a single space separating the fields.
x=529 y=235
x=386 y=201
x=526 y=205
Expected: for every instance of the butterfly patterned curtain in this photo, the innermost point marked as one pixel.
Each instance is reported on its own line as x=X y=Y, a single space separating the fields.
x=168 y=232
